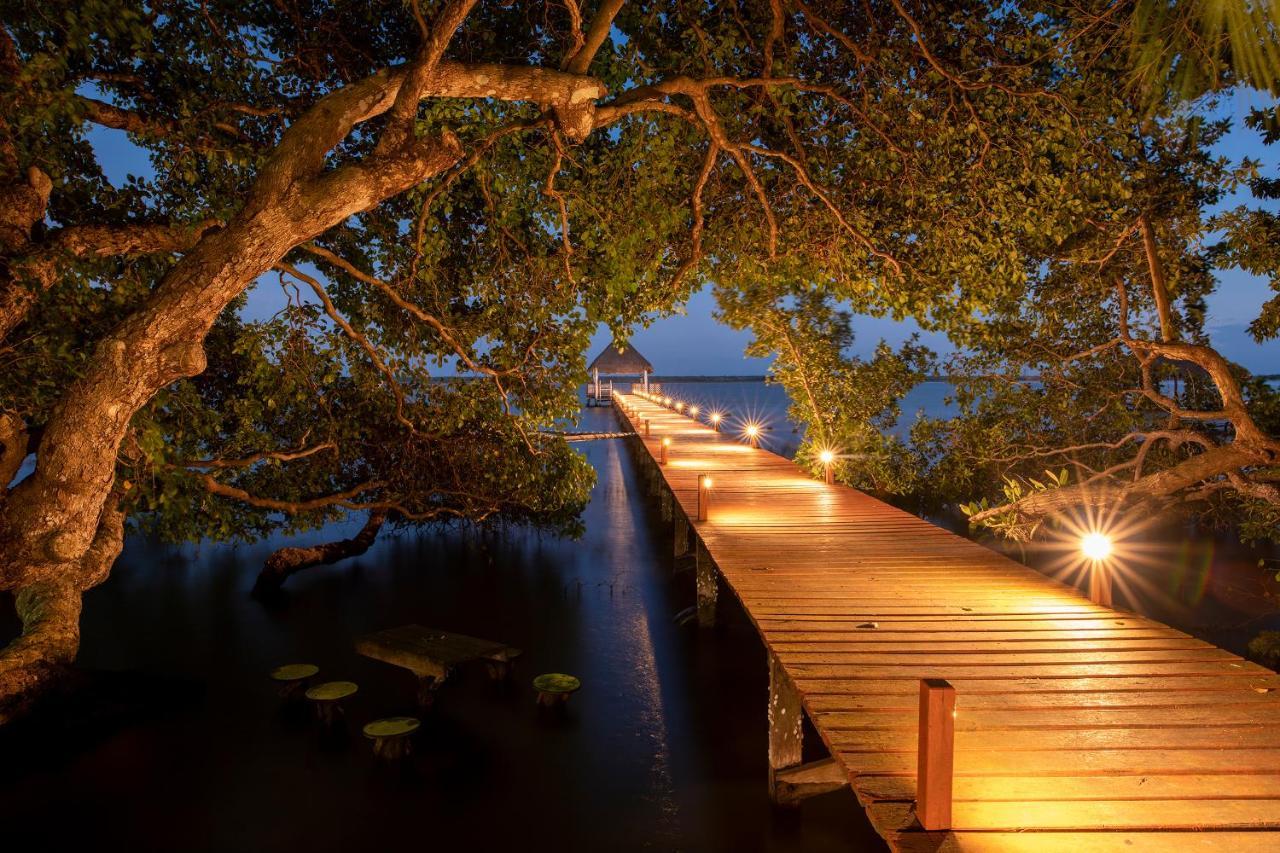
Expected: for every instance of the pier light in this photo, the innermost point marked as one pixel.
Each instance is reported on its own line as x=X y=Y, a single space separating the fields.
x=680 y=407
x=1096 y=546
x=664 y=450
x=716 y=417
x=752 y=433
x=693 y=412
x=666 y=402
x=704 y=496
x=828 y=457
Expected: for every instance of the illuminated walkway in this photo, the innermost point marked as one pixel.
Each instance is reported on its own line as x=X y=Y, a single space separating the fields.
x=1078 y=727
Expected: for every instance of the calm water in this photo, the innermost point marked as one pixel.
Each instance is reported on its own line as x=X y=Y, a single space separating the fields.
x=184 y=747
x=179 y=742
x=767 y=404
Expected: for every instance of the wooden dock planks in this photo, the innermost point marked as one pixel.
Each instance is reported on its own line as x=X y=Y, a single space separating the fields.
x=1078 y=727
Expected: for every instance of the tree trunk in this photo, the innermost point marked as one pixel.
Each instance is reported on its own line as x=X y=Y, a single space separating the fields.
x=50 y=615
x=50 y=519
x=285 y=562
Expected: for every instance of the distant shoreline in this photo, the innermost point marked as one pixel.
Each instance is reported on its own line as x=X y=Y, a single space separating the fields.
x=1266 y=377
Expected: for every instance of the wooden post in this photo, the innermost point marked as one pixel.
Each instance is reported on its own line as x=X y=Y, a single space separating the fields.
x=663 y=451
x=704 y=496
x=786 y=737
x=705 y=581
x=830 y=475
x=1099 y=584
x=645 y=421
x=935 y=764
x=681 y=535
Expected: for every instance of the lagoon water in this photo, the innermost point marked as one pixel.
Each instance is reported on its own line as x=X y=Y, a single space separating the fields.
x=180 y=742
x=184 y=747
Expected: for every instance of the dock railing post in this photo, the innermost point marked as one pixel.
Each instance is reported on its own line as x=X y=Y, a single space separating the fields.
x=1099 y=584
x=935 y=765
x=663 y=451
x=645 y=421
x=704 y=496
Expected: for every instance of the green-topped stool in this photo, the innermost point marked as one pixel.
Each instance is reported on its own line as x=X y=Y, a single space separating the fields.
x=328 y=698
x=293 y=679
x=554 y=688
x=391 y=736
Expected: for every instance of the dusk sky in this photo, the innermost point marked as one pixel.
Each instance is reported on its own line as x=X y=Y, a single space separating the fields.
x=694 y=343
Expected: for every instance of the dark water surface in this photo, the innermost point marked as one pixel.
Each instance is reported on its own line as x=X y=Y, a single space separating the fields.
x=185 y=747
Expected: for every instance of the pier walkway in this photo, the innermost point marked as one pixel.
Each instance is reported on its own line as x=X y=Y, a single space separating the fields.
x=1077 y=727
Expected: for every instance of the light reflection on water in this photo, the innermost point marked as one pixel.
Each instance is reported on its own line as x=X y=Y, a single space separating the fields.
x=662 y=749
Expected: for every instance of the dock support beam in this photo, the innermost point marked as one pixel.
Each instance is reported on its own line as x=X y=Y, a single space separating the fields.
x=785 y=719
x=935 y=764
x=664 y=500
x=789 y=780
x=681 y=535
x=705 y=580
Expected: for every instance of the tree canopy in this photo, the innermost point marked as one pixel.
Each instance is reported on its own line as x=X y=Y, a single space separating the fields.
x=465 y=187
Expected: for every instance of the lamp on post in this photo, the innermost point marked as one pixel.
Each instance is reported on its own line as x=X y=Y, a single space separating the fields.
x=752 y=432
x=716 y=417
x=828 y=459
x=1097 y=548
x=663 y=450
x=704 y=496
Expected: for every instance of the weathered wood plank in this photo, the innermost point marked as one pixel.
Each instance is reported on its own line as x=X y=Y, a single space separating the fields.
x=1078 y=728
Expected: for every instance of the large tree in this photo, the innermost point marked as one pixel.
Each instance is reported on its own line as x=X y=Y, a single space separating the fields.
x=470 y=185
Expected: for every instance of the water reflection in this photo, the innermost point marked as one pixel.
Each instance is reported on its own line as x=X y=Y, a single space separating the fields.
x=185 y=746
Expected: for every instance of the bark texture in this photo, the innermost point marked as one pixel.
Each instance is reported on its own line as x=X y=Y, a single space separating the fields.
x=50 y=615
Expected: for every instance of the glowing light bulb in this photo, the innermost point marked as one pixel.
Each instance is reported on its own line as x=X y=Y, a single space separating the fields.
x=827 y=457
x=715 y=417
x=693 y=411
x=706 y=481
x=752 y=431
x=1096 y=546
x=666 y=442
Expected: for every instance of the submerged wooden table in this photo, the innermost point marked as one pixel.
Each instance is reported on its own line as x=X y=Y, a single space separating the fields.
x=431 y=655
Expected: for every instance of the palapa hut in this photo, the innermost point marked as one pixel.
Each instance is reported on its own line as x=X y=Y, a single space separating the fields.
x=616 y=361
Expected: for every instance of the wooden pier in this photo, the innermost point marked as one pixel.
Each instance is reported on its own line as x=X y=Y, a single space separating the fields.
x=1076 y=727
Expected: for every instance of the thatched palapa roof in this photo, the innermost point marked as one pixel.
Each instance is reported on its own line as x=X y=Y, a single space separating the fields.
x=617 y=360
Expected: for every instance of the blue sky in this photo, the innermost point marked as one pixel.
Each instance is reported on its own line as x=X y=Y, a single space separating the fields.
x=693 y=343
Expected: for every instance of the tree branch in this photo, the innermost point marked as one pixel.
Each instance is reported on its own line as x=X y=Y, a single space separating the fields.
x=596 y=33
x=287 y=561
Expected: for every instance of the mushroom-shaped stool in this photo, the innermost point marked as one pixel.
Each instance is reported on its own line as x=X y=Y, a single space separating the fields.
x=293 y=678
x=554 y=688
x=328 y=698
x=390 y=736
